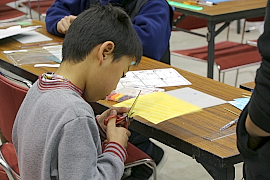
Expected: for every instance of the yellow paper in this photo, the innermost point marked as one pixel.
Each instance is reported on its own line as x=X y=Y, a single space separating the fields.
x=159 y=106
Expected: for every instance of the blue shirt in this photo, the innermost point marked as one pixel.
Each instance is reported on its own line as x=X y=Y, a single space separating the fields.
x=152 y=23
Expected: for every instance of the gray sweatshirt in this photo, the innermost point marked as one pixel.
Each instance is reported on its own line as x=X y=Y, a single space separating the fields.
x=56 y=136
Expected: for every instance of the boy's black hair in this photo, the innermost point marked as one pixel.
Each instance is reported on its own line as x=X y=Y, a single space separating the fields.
x=97 y=25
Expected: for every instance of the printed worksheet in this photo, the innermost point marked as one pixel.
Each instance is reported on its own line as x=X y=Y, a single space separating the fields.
x=153 y=78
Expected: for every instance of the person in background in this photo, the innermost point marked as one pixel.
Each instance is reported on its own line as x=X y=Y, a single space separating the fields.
x=56 y=134
x=253 y=128
x=151 y=20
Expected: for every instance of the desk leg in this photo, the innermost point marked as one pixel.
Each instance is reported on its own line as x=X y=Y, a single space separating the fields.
x=238 y=26
x=211 y=48
x=226 y=173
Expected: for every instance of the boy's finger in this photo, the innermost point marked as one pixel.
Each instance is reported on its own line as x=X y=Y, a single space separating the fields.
x=111 y=123
x=113 y=112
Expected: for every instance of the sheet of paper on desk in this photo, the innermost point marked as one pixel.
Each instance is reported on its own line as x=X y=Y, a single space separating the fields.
x=153 y=78
x=31 y=37
x=14 y=30
x=196 y=97
x=159 y=106
x=240 y=103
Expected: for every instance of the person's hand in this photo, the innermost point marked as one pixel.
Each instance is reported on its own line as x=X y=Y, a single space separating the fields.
x=64 y=23
x=117 y=134
x=105 y=114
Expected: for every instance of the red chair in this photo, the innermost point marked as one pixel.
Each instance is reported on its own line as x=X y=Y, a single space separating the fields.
x=11 y=97
x=257 y=19
x=8 y=13
x=39 y=6
x=228 y=56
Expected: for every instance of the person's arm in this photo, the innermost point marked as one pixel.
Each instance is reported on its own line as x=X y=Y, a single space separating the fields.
x=256 y=134
x=79 y=152
x=60 y=9
x=152 y=25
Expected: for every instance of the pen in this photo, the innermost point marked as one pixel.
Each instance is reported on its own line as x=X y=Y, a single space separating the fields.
x=229 y=124
x=207 y=3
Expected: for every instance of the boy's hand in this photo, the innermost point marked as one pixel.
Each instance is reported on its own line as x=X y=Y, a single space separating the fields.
x=105 y=114
x=117 y=134
x=64 y=23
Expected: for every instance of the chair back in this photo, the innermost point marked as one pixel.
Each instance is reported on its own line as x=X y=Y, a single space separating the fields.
x=11 y=97
x=4 y=2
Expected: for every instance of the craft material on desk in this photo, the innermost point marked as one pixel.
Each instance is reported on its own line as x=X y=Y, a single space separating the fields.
x=159 y=106
x=231 y=111
x=196 y=2
x=14 y=30
x=182 y=5
x=218 y=1
x=31 y=37
x=240 y=103
x=124 y=94
x=26 y=22
x=221 y=134
x=196 y=97
x=152 y=78
x=35 y=55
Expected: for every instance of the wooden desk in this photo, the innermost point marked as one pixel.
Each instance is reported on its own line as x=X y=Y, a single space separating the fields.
x=9 y=44
x=248 y=86
x=183 y=133
x=222 y=12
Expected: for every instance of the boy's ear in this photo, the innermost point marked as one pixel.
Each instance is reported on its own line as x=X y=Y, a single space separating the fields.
x=105 y=50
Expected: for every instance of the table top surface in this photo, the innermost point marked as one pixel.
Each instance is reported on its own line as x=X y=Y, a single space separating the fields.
x=249 y=85
x=189 y=128
x=234 y=8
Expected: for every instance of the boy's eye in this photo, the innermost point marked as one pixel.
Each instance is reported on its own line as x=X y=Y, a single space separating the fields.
x=132 y=63
x=124 y=75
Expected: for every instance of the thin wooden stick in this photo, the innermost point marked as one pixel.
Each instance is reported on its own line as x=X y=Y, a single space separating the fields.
x=246 y=94
x=232 y=111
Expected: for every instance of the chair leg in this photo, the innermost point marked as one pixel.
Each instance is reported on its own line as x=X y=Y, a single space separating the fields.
x=149 y=162
x=223 y=77
x=7 y=169
x=153 y=166
x=237 y=72
x=39 y=10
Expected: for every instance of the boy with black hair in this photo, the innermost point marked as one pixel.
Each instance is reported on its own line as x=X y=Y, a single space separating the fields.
x=152 y=21
x=55 y=134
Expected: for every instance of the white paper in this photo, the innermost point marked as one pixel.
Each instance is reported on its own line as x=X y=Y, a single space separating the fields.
x=31 y=37
x=196 y=97
x=153 y=78
x=14 y=30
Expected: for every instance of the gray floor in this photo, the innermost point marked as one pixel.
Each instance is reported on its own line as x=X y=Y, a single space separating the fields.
x=179 y=165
